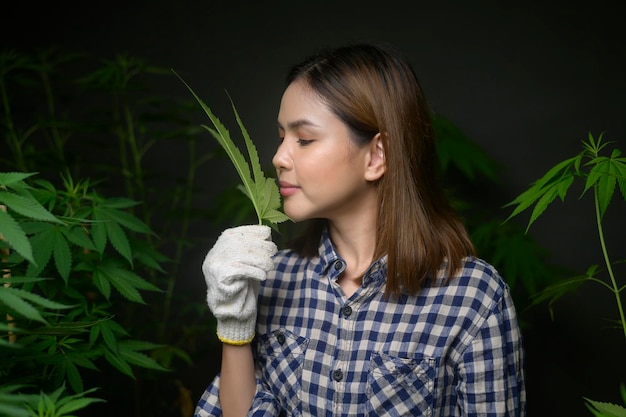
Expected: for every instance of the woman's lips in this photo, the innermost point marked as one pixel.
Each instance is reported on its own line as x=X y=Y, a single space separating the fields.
x=287 y=189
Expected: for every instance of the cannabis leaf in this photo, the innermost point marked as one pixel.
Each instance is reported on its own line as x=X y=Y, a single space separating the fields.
x=262 y=191
x=15 y=195
x=602 y=174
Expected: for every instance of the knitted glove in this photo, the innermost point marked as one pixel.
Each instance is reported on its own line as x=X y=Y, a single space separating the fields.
x=232 y=269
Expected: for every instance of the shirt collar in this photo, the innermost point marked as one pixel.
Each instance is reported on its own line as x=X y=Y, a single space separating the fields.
x=332 y=264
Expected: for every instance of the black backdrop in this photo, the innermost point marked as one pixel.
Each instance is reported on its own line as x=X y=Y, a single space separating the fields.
x=525 y=80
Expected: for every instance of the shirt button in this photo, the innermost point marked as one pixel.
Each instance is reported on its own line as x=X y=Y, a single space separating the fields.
x=338 y=265
x=347 y=310
x=281 y=338
x=337 y=375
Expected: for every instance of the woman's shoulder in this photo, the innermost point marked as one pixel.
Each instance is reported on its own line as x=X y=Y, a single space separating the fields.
x=476 y=278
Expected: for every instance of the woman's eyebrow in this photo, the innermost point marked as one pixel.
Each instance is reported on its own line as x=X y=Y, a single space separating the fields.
x=297 y=124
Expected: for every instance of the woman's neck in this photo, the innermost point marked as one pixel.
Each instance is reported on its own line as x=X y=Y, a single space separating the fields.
x=355 y=240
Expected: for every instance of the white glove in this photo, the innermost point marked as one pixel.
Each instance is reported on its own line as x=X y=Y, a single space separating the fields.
x=232 y=269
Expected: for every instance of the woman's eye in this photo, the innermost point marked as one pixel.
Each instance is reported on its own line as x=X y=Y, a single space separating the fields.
x=304 y=142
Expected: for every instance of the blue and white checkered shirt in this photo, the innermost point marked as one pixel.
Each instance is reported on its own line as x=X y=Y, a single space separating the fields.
x=453 y=349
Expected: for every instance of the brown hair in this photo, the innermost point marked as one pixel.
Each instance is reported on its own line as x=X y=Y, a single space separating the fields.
x=372 y=88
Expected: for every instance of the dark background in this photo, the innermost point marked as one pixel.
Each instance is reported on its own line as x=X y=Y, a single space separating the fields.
x=525 y=80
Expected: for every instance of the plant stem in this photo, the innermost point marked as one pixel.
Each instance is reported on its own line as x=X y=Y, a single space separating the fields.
x=607 y=261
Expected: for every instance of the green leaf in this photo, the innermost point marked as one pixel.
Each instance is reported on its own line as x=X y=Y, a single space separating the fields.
x=108 y=335
x=73 y=376
x=44 y=243
x=119 y=203
x=554 y=183
x=101 y=282
x=455 y=149
x=82 y=360
x=123 y=218
x=79 y=237
x=546 y=199
x=125 y=281
x=264 y=195
x=140 y=359
x=8 y=179
x=119 y=240
x=37 y=299
x=62 y=255
x=71 y=403
x=555 y=291
x=114 y=233
x=27 y=207
x=119 y=363
x=14 y=299
x=15 y=236
x=603 y=409
x=138 y=345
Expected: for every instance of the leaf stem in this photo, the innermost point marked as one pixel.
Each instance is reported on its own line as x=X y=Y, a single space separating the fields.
x=607 y=261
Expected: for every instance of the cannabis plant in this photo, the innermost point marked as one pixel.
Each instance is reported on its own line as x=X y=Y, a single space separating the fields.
x=67 y=258
x=94 y=125
x=601 y=174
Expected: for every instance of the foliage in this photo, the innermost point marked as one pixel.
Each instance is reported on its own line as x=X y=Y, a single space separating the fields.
x=469 y=172
x=43 y=405
x=262 y=191
x=67 y=259
x=97 y=258
x=601 y=409
x=90 y=281
x=600 y=174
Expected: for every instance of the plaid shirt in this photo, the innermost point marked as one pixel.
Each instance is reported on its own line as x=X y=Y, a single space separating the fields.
x=453 y=349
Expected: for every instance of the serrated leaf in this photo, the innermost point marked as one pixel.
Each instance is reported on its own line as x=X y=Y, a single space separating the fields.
x=140 y=359
x=123 y=218
x=553 y=292
x=27 y=207
x=80 y=359
x=62 y=255
x=118 y=363
x=558 y=173
x=101 y=282
x=99 y=235
x=108 y=336
x=79 y=237
x=139 y=345
x=257 y=172
x=275 y=216
x=44 y=244
x=454 y=148
x=8 y=179
x=119 y=203
x=605 y=409
x=126 y=282
x=37 y=299
x=13 y=300
x=75 y=380
x=542 y=204
x=255 y=186
x=15 y=236
x=119 y=240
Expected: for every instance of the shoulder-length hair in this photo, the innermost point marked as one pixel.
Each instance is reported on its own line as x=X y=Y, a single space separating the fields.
x=373 y=89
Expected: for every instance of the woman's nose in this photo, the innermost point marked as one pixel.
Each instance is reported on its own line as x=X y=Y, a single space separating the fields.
x=281 y=158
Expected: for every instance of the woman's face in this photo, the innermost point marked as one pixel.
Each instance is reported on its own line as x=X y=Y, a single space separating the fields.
x=321 y=171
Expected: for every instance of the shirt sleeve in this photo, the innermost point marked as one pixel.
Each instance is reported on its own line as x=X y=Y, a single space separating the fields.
x=491 y=372
x=263 y=403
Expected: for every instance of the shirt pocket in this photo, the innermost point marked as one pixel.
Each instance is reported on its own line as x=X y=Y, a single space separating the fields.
x=281 y=355
x=400 y=386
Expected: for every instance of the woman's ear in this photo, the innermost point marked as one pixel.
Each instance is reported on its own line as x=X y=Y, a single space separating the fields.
x=376 y=159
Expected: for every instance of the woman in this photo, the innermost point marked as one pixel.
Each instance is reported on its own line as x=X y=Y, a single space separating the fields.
x=380 y=306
